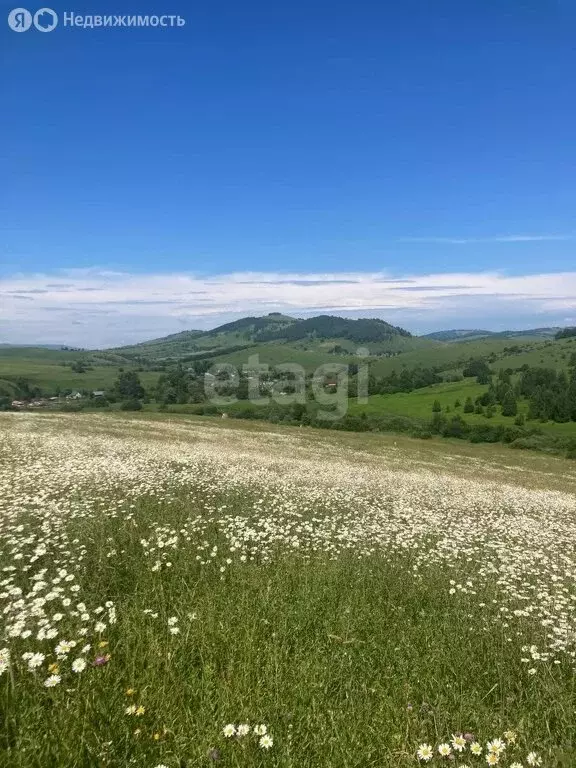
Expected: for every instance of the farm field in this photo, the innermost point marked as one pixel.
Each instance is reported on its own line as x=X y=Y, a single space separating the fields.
x=184 y=592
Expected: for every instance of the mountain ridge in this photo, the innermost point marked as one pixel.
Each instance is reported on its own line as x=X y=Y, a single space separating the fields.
x=476 y=333
x=326 y=334
x=320 y=330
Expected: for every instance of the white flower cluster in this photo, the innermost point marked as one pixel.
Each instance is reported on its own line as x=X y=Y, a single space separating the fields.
x=265 y=741
x=493 y=752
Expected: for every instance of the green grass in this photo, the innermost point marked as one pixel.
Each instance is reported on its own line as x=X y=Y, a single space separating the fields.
x=182 y=344
x=276 y=354
x=47 y=373
x=414 y=353
x=418 y=404
x=38 y=354
x=450 y=355
x=43 y=365
x=349 y=646
x=43 y=368
x=550 y=354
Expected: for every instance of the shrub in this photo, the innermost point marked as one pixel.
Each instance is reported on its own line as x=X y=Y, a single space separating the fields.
x=536 y=443
x=422 y=434
x=131 y=405
x=456 y=427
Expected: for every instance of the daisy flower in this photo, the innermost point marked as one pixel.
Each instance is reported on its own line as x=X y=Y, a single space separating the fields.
x=458 y=742
x=79 y=665
x=266 y=741
x=496 y=746
x=4 y=660
x=533 y=759
x=52 y=681
x=35 y=660
x=425 y=752
x=444 y=750
x=229 y=730
x=63 y=648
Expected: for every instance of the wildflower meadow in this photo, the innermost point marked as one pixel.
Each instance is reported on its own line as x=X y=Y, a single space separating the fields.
x=179 y=593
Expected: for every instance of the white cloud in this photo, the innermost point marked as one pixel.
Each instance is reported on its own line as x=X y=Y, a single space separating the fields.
x=101 y=308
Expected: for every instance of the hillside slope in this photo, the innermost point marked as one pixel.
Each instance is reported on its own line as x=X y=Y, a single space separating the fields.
x=473 y=334
x=321 y=335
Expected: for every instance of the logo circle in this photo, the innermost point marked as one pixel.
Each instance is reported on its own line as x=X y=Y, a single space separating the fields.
x=45 y=20
x=19 y=20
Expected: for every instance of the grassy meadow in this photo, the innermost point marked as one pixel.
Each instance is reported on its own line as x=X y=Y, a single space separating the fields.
x=418 y=405
x=50 y=369
x=182 y=592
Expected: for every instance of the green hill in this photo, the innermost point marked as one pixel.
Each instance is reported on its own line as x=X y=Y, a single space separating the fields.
x=363 y=330
x=230 y=335
x=319 y=336
x=472 y=335
x=281 y=338
x=277 y=339
x=457 y=335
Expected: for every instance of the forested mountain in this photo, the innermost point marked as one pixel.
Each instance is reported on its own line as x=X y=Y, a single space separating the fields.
x=333 y=327
x=324 y=333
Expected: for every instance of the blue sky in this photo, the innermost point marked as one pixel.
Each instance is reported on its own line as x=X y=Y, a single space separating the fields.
x=404 y=140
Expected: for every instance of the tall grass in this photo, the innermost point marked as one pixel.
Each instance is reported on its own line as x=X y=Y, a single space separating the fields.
x=233 y=591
